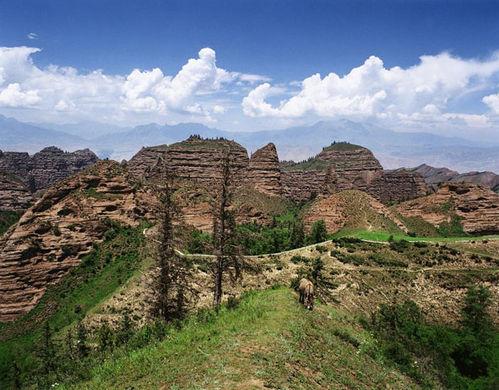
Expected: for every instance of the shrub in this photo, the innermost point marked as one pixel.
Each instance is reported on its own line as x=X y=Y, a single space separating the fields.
x=400 y=246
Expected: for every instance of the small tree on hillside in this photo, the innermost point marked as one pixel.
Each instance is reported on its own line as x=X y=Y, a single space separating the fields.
x=224 y=235
x=170 y=287
x=319 y=232
x=47 y=355
x=297 y=235
x=474 y=315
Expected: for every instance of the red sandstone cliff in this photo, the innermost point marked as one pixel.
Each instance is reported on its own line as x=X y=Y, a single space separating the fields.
x=477 y=207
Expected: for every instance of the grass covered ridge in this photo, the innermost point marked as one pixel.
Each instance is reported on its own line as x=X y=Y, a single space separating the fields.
x=267 y=340
x=101 y=272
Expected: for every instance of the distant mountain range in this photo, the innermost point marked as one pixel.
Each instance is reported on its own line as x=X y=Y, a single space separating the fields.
x=393 y=149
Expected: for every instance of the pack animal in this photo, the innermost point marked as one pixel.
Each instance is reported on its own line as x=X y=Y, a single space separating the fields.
x=306 y=290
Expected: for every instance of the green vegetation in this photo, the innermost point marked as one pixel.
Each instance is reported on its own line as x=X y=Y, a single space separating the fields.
x=285 y=233
x=199 y=242
x=312 y=163
x=101 y=272
x=385 y=236
x=452 y=228
x=318 y=233
x=318 y=349
x=7 y=219
x=461 y=358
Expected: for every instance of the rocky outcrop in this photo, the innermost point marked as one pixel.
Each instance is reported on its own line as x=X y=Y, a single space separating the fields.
x=340 y=166
x=15 y=163
x=196 y=159
x=476 y=207
x=352 y=209
x=14 y=195
x=397 y=186
x=264 y=172
x=354 y=165
x=45 y=167
x=59 y=229
x=435 y=176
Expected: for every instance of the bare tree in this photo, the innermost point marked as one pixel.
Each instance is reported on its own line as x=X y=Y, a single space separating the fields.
x=170 y=287
x=224 y=235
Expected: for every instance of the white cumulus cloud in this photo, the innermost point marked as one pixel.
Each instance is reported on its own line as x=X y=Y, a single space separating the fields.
x=56 y=90
x=493 y=102
x=374 y=90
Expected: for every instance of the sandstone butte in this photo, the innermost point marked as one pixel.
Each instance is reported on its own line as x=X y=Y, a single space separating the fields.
x=60 y=227
x=22 y=174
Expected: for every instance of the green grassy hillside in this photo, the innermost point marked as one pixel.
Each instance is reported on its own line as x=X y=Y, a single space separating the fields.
x=101 y=272
x=268 y=340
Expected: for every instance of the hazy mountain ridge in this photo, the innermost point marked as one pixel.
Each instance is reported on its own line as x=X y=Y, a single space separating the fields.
x=393 y=149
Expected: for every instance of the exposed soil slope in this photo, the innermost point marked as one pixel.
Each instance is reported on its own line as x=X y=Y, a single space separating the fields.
x=352 y=209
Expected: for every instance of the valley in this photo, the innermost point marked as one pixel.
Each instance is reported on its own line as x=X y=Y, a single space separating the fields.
x=78 y=256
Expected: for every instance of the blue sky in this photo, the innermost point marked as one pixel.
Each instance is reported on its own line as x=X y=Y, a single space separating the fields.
x=283 y=42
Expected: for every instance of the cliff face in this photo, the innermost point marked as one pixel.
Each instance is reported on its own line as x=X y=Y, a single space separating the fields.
x=476 y=207
x=195 y=159
x=13 y=194
x=398 y=186
x=60 y=228
x=264 y=172
x=45 y=167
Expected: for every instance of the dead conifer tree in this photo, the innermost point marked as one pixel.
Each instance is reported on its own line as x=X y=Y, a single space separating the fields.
x=224 y=235
x=170 y=287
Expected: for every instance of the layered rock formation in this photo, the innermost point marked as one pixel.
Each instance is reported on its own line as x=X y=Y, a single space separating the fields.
x=343 y=166
x=45 y=167
x=435 y=176
x=14 y=195
x=59 y=229
x=476 y=207
x=352 y=209
x=264 y=172
x=397 y=186
x=196 y=159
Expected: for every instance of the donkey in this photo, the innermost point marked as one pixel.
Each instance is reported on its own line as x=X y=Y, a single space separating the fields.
x=306 y=290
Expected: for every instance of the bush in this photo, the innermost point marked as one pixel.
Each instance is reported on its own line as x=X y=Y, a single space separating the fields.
x=199 y=242
x=232 y=302
x=400 y=246
x=296 y=259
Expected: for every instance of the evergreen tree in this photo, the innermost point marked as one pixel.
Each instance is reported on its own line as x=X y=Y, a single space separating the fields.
x=474 y=315
x=224 y=235
x=171 y=286
x=47 y=355
x=319 y=232
x=297 y=235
